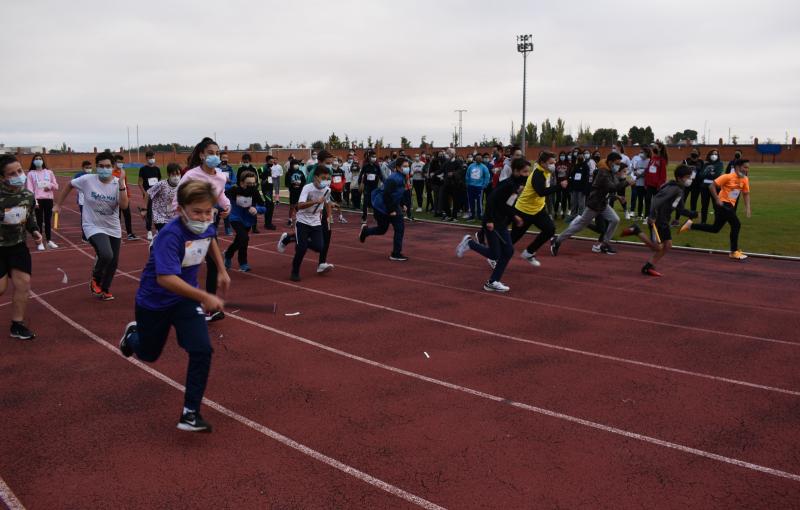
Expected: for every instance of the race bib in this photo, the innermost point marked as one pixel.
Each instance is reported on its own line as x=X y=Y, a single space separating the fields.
x=195 y=252
x=246 y=202
x=152 y=181
x=734 y=194
x=371 y=177
x=653 y=169
x=512 y=200
x=577 y=177
x=269 y=180
x=337 y=179
x=475 y=174
x=707 y=181
x=676 y=202
x=15 y=215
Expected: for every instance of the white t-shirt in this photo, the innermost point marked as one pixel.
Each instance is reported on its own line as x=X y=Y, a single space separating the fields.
x=312 y=215
x=348 y=175
x=277 y=171
x=101 y=205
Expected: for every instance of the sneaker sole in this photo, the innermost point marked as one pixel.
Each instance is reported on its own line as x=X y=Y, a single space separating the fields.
x=191 y=428
x=21 y=337
x=124 y=336
x=492 y=289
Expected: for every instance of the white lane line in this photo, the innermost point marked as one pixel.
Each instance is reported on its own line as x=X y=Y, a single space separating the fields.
x=286 y=441
x=8 y=498
x=538 y=343
x=531 y=408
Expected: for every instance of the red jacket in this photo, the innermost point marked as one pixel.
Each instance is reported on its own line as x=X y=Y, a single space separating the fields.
x=656 y=174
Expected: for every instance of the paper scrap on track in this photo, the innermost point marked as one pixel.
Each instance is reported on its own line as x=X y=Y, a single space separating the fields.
x=426 y=355
x=294 y=314
x=63 y=280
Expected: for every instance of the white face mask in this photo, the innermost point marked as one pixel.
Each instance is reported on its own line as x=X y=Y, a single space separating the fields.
x=641 y=155
x=713 y=157
x=120 y=165
x=38 y=163
x=687 y=182
x=586 y=155
x=323 y=184
x=196 y=227
x=551 y=167
x=151 y=161
x=174 y=180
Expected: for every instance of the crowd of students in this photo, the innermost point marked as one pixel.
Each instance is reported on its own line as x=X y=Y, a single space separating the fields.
x=501 y=189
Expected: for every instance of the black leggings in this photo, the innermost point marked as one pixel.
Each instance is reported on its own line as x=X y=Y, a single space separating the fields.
x=212 y=271
x=650 y=192
x=542 y=221
x=419 y=187
x=705 y=199
x=44 y=214
x=723 y=215
x=240 y=242
x=126 y=215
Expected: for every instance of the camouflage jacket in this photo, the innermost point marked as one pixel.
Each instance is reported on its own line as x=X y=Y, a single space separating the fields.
x=16 y=215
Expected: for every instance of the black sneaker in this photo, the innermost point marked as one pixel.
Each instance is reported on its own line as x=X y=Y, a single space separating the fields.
x=255 y=229
x=288 y=223
x=19 y=330
x=132 y=237
x=295 y=277
x=362 y=236
x=270 y=227
x=398 y=258
x=554 y=246
x=608 y=249
x=124 y=348
x=214 y=317
x=193 y=422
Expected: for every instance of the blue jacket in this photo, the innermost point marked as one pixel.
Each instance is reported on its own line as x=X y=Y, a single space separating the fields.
x=241 y=214
x=228 y=170
x=389 y=198
x=478 y=175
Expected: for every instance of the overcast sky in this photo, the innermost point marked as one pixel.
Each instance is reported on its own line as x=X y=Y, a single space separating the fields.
x=80 y=72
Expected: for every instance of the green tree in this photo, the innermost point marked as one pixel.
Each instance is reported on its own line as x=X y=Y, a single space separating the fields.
x=547 y=136
x=318 y=145
x=334 y=142
x=584 y=135
x=423 y=141
x=405 y=143
x=605 y=136
x=256 y=147
x=489 y=143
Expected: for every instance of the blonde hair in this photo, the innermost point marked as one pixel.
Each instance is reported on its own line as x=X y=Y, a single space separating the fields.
x=192 y=192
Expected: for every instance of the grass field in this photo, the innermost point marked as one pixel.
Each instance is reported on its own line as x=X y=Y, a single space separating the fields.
x=774 y=227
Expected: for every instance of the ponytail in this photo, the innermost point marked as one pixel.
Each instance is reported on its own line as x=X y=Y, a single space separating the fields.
x=195 y=158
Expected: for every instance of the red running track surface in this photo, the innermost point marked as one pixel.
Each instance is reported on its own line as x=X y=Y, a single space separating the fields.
x=405 y=385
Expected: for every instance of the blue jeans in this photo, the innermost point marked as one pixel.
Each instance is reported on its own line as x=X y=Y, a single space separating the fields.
x=500 y=250
x=475 y=200
x=189 y=320
x=384 y=220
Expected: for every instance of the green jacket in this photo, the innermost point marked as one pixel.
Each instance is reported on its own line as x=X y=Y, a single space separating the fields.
x=16 y=215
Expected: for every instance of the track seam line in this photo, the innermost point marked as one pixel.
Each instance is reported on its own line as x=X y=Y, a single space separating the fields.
x=272 y=434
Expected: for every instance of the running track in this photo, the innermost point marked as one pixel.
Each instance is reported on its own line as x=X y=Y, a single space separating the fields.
x=586 y=386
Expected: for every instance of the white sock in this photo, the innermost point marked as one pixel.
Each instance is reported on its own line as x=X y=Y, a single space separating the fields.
x=186 y=410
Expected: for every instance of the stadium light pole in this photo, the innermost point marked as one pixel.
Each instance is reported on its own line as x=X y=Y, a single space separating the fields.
x=524 y=46
x=460 y=128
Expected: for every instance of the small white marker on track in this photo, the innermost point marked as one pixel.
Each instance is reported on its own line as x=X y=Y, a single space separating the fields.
x=63 y=280
x=426 y=354
x=294 y=314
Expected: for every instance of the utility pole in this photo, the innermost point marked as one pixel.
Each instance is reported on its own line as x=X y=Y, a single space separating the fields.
x=129 y=143
x=524 y=46
x=460 y=127
x=138 y=155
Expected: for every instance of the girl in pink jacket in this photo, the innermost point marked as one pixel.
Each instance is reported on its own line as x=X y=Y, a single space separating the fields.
x=42 y=183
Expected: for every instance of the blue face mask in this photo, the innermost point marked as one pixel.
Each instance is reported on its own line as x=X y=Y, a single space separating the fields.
x=104 y=173
x=212 y=161
x=17 y=180
x=38 y=163
x=406 y=170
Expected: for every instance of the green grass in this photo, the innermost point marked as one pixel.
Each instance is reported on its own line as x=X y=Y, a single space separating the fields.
x=774 y=227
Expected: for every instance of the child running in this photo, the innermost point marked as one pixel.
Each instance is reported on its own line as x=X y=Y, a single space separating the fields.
x=246 y=204
x=671 y=197
x=605 y=181
x=162 y=195
x=388 y=209
x=295 y=180
x=42 y=182
x=168 y=295
x=499 y=212
x=103 y=196
x=308 y=227
x=16 y=218
x=731 y=186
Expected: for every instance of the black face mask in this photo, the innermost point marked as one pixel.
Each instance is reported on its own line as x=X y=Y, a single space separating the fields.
x=596 y=159
x=520 y=180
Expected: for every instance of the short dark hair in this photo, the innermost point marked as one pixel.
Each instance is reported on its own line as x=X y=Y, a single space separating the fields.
x=247 y=157
x=682 y=171
x=223 y=153
x=321 y=170
x=5 y=160
x=149 y=153
x=519 y=164
x=86 y=162
x=740 y=162
x=119 y=157
x=173 y=168
x=103 y=155
x=545 y=155
x=246 y=174
x=614 y=156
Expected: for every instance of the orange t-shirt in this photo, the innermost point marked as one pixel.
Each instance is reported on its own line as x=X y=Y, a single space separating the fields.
x=116 y=173
x=731 y=186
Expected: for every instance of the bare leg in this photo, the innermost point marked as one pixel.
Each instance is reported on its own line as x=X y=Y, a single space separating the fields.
x=19 y=300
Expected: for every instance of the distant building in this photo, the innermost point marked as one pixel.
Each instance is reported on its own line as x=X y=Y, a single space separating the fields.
x=21 y=150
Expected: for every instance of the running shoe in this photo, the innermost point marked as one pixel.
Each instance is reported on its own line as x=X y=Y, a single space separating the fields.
x=281 y=246
x=244 y=268
x=686 y=227
x=214 y=317
x=462 y=247
x=124 y=348
x=362 y=234
x=650 y=270
x=95 y=288
x=398 y=258
x=608 y=249
x=228 y=262
x=295 y=277
x=19 y=330
x=289 y=223
x=418 y=209
x=324 y=268
x=738 y=255
x=149 y=235
x=106 y=296
x=495 y=287
x=132 y=237
x=342 y=219
x=530 y=258
x=554 y=246
x=51 y=244
x=597 y=248
x=633 y=230
x=270 y=227
x=192 y=422
x=40 y=246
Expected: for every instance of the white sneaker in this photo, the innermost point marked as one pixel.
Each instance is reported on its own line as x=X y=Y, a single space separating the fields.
x=596 y=248
x=40 y=246
x=530 y=259
x=418 y=209
x=149 y=236
x=496 y=287
x=492 y=263
x=627 y=215
x=465 y=216
x=342 y=219
x=51 y=244
x=462 y=247
x=281 y=246
x=324 y=268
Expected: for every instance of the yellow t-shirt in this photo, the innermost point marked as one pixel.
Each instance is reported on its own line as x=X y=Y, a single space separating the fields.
x=529 y=202
x=731 y=186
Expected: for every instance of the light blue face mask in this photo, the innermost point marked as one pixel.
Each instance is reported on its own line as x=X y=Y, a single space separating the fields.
x=406 y=170
x=324 y=184
x=18 y=180
x=104 y=173
x=212 y=161
x=38 y=163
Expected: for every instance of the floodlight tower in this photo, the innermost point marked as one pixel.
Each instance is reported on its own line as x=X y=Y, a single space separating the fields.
x=524 y=46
